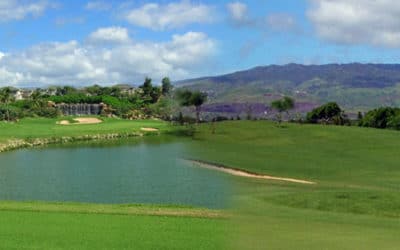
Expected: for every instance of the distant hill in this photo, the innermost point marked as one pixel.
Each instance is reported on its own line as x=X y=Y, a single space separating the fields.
x=356 y=87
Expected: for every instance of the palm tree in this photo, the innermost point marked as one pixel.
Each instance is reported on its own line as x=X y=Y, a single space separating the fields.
x=35 y=97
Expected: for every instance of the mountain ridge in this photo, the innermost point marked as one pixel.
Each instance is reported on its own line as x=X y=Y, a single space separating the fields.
x=355 y=86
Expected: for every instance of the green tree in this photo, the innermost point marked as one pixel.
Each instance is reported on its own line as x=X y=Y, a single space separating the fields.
x=283 y=105
x=65 y=90
x=166 y=86
x=6 y=97
x=155 y=94
x=188 y=98
x=328 y=113
x=394 y=121
x=94 y=90
x=164 y=108
x=9 y=113
x=36 y=98
x=147 y=86
x=151 y=94
x=381 y=118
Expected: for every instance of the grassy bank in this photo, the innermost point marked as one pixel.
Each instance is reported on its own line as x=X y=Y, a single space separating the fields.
x=40 y=131
x=111 y=209
x=355 y=204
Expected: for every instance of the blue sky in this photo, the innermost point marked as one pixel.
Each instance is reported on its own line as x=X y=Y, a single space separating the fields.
x=107 y=42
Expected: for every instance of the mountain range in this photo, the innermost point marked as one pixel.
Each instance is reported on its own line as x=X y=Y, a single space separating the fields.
x=356 y=87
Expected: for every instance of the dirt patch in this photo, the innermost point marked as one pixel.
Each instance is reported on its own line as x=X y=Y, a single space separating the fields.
x=241 y=173
x=87 y=120
x=149 y=129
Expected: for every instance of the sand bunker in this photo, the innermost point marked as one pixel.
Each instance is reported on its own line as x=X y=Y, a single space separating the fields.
x=149 y=129
x=64 y=122
x=88 y=120
x=242 y=173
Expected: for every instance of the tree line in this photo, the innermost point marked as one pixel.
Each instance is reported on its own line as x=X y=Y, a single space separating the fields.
x=145 y=101
x=163 y=101
x=332 y=114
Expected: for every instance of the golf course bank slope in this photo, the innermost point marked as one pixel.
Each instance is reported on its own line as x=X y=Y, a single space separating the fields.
x=112 y=209
x=40 y=131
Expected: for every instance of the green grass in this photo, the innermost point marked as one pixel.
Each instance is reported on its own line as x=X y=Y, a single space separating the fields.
x=326 y=154
x=38 y=230
x=35 y=225
x=48 y=128
x=355 y=204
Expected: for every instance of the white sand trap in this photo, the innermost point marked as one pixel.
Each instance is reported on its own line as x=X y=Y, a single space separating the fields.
x=149 y=129
x=87 y=120
x=242 y=173
x=64 y=122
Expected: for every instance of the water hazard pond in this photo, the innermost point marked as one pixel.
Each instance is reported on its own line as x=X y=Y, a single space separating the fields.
x=134 y=171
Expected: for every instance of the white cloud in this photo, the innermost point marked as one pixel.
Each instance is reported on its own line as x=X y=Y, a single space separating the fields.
x=238 y=13
x=98 y=6
x=109 y=35
x=188 y=49
x=1 y=55
x=75 y=63
x=18 y=9
x=240 y=17
x=357 y=21
x=169 y=16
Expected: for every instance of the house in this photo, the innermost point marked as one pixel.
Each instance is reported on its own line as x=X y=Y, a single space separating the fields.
x=18 y=95
x=22 y=94
x=127 y=89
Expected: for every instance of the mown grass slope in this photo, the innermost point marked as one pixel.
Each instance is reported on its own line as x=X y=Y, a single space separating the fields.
x=326 y=154
x=354 y=205
x=42 y=230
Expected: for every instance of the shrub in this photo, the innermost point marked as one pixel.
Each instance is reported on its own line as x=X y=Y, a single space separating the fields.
x=385 y=117
x=120 y=107
x=76 y=98
x=9 y=113
x=329 y=113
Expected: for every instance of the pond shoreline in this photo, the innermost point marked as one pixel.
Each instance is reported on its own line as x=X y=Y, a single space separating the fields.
x=244 y=173
x=113 y=209
x=15 y=144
